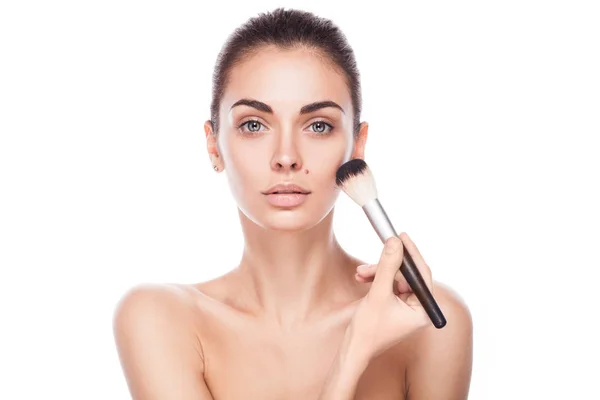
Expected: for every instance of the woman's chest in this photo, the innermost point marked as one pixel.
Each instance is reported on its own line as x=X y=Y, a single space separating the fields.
x=254 y=364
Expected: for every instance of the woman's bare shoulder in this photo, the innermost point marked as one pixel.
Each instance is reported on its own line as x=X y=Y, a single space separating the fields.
x=147 y=301
x=448 y=296
x=442 y=355
x=157 y=294
x=456 y=311
x=176 y=299
x=155 y=330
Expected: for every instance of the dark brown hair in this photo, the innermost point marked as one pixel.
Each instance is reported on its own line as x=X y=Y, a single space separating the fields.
x=287 y=29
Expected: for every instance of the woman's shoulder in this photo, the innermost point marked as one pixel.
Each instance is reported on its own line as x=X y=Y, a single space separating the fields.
x=156 y=294
x=458 y=316
x=174 y=299
x=450 y=298
x=152 y=321
x=457 y=334
x=152 y=302
x=442 y=355
x=457 y=313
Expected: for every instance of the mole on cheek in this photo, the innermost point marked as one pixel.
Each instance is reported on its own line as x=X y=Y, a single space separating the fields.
x=306 y=171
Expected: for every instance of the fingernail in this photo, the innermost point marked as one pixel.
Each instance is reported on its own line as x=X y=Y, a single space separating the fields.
x=392 y=245
x=363 y=267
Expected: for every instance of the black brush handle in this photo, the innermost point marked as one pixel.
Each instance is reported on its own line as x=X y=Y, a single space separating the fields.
x=419 y=287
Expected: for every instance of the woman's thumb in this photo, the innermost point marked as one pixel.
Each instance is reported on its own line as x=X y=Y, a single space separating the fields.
x=389 y=263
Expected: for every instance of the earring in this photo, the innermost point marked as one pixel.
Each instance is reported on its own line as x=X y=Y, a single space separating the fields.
x=215 y=168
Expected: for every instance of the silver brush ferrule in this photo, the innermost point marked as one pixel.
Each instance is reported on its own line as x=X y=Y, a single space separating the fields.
x=379 y=220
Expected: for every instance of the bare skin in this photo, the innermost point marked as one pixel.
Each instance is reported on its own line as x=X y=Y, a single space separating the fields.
x=276 y=325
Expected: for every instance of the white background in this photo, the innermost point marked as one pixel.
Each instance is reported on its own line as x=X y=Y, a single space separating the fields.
x=484 y=124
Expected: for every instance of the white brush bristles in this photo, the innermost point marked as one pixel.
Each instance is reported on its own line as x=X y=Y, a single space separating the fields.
x=361 y=188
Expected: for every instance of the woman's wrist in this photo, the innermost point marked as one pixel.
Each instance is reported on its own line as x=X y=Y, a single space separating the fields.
x=346 y=370
x=353 y=352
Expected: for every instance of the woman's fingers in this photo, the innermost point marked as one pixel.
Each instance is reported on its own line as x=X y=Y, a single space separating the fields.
x=366 y=269
x=417 y=258
x=367 y=272
x=389 y=262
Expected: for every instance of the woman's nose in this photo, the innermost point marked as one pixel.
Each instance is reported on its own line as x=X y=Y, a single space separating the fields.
x=286 y=156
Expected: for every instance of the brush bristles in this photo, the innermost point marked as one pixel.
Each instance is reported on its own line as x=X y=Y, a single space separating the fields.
x=356 y=180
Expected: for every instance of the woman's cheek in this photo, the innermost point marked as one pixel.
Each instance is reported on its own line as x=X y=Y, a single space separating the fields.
x=238 y=156
x=325 y=162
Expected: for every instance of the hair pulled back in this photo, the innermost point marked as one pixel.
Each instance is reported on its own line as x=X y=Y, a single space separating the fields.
x=287 y=29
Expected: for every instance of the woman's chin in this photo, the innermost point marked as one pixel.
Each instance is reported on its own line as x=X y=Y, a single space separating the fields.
x=286 y=219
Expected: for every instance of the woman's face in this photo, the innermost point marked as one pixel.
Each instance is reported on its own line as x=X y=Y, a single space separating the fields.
x=277 y=140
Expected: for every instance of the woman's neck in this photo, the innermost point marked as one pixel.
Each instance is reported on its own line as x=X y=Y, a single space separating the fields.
x=289 y=277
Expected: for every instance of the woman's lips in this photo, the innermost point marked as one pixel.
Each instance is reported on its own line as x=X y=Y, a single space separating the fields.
x=286 y=199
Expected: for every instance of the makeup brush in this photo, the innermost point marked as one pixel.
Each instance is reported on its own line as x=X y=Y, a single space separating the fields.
x=356 y=180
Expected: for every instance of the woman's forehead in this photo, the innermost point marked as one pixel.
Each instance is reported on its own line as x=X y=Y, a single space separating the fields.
x=287 y=77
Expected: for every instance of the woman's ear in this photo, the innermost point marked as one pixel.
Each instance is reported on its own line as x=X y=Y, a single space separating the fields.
x=212 y=147
x=360 y=141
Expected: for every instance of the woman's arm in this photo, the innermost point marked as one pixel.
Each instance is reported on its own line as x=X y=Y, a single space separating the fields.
x=158 y=347
x=347 y=368
x=381 y=320
x=390 y=313
x=441 y=362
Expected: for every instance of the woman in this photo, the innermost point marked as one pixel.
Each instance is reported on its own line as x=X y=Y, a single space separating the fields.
x=297 y=318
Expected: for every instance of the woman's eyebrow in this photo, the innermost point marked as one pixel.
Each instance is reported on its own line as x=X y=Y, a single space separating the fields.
x=259 y=105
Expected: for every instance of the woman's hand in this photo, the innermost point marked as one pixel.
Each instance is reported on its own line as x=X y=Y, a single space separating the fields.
x=390 y=311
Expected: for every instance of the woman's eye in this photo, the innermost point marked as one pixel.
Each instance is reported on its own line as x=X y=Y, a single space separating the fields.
x=321 y=127
x=252 y=126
